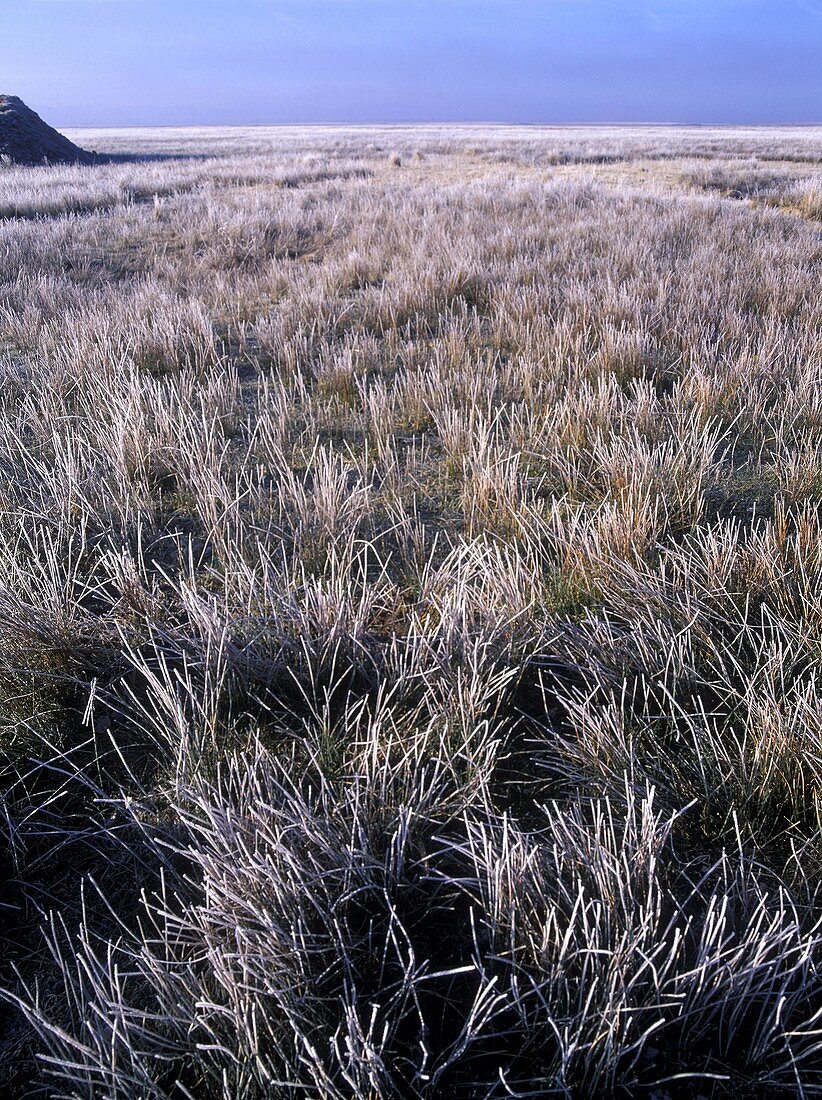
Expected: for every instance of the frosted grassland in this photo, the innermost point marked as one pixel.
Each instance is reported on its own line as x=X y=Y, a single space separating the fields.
x=410 y=615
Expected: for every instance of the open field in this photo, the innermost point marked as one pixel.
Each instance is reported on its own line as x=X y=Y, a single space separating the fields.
x=411 y=615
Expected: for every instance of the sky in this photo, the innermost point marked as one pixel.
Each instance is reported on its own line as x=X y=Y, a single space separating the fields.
x=178 y=62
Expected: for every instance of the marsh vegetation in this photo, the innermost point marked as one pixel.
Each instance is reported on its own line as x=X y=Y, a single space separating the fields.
x=410 y=616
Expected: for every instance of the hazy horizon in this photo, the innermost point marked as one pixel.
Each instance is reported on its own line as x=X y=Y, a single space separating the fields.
x=446 y=125
x=100 y=63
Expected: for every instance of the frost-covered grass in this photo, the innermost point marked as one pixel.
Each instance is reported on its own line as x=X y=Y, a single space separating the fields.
x=410 y=557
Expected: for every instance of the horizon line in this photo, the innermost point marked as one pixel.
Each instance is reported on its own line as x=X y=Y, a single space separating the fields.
x=409 y=124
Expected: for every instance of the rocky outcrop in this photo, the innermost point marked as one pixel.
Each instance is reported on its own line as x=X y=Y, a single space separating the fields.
x=26 y=139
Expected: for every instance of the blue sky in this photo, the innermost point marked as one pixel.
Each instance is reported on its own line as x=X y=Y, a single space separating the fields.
x=152 y=62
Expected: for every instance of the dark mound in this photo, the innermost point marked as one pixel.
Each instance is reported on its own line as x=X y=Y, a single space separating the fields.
x=26 y=139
